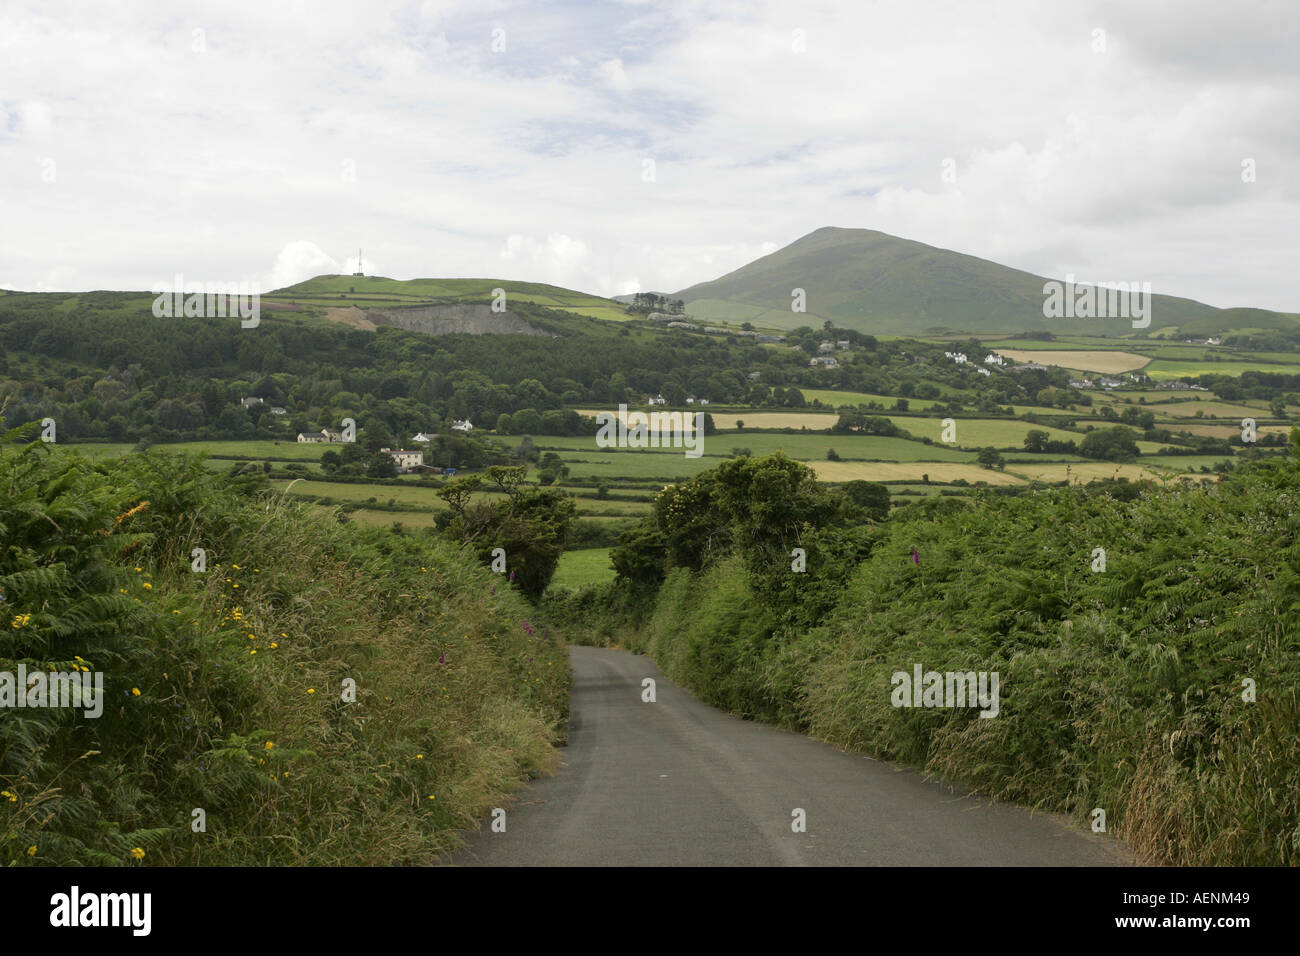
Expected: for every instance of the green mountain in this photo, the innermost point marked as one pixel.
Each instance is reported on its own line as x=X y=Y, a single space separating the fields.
x=874 y=282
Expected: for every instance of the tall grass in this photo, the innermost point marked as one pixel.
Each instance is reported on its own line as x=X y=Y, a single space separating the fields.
x=227 y=689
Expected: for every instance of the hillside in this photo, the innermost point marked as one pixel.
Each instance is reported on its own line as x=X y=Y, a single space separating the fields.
x=377 y=292
x=874 y=282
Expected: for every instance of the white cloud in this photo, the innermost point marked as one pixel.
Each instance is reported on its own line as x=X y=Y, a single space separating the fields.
x=1121 y=164
x=301 y=260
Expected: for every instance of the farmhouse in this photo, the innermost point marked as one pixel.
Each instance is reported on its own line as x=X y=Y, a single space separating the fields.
x=406 y=461
x=842 y=345
x=823 y=360
x=423 y=437
x=312 y=437
x=462 y=425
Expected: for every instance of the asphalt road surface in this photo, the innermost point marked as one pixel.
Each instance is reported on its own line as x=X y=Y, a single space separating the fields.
x=678 y=783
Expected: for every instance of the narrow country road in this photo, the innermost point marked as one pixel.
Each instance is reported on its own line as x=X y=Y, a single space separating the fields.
x=677 y=782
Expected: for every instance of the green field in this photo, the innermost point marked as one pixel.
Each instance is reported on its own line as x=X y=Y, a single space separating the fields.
x=982 y=432
x=579 y=568
x=1161 y=369
x=836 y=398
x=378 y=292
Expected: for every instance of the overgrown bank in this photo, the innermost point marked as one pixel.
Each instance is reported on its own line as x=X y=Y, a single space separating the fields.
x=1162 y=689
x=323 y=694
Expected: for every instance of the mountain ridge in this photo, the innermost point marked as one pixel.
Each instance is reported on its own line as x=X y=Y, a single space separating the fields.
x=872 y=281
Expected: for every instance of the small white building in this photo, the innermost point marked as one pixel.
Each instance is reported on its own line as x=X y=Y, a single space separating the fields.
x=825 y=347
x=423 y=437
x=655 y=400
x=462 y=425
x=825 y=361
x=842 y=345
x=994 y=359
x=250 y=402
x=959 y=357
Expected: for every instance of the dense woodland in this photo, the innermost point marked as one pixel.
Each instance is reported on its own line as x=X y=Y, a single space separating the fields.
x=106 y=369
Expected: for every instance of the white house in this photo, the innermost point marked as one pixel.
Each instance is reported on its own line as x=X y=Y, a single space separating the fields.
x=250 y=402
x=983 y=371
x=994 y=359
x=842 y=345
x=825 y=347
x=405 y=460
x=823 y=360
x=460 y=425
x=704 y=401
x=959 y=357
x=655 y=400
x=324 y=435
x=422 y=437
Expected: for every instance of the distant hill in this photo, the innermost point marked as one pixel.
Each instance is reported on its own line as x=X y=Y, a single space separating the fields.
x=874 y=282
x=377 y=292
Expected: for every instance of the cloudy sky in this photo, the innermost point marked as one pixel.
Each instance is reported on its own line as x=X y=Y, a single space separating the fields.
x=617 y=145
